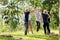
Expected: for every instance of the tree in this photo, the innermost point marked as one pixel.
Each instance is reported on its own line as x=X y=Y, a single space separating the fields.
x=3 y=2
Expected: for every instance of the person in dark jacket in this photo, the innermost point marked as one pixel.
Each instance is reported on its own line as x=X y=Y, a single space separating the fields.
x=27 y=12
x=45 y=22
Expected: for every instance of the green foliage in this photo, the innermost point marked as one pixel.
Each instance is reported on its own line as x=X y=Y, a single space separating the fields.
x=3 y=2
x=11 y=12
x=36 y=3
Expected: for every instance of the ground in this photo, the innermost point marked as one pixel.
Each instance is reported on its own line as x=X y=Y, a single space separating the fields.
x=19 y=35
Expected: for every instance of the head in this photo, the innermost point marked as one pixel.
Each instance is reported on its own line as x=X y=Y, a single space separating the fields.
x=27 y=8
x=45 y=11
x=32 y=9
x=39 y=9
x=48 y=12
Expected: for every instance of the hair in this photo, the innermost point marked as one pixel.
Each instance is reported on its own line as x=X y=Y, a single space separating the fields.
x=45 y=11
x=27 y=8
x=48 y=12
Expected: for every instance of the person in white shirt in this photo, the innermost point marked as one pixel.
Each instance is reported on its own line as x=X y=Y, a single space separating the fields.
x=29 y=20
x=30 y=24
x=38 y=18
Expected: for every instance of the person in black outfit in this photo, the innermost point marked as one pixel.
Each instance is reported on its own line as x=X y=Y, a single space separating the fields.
x=26 y=20
x=49 y=16
x=45 y=22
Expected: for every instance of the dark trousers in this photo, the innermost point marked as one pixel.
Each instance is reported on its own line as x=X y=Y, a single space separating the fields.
x=26 y=28
x=38 y=25
x=46 y=28
x=49 y=20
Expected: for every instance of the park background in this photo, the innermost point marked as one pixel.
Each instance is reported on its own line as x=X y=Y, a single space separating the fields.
x=14 y=27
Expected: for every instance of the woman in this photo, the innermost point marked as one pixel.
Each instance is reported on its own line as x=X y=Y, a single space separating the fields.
x=49 y=16
x=38 y=18
x=29 y=21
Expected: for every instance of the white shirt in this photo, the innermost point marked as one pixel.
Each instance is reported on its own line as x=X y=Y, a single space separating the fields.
x=29 y=17
x=38 y=16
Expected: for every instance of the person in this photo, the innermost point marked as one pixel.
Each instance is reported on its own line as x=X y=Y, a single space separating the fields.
x=27 y=12
x=49 y=16
x=29 y=20
x=30 y=24
x=38 y=17
x=45 y=22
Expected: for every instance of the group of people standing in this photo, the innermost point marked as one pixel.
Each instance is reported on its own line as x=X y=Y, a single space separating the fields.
x=45 y=15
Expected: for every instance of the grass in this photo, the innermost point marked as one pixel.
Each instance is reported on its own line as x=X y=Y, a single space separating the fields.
x=36 y=36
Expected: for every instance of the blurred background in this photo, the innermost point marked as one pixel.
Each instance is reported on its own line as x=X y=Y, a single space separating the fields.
x=12 y=14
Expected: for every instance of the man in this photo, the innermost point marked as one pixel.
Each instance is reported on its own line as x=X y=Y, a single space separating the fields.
x=26 y=20
x=45 y=22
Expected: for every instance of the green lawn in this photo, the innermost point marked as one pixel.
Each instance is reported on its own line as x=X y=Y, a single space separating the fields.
x=19 y=35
